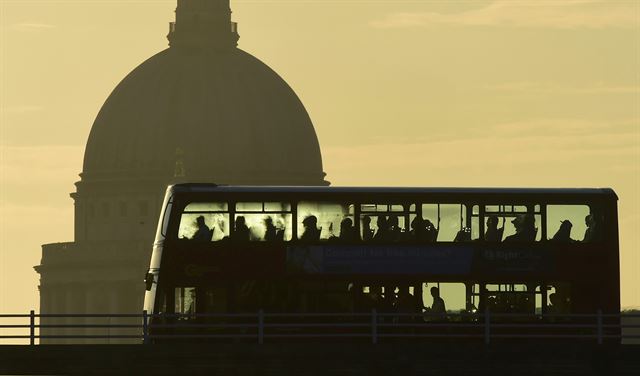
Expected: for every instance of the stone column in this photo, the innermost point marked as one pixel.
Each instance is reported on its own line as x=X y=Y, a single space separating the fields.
x=57 y=307
x=113 y=307
x=45 y=307
x=93 y=304
x=70 y=307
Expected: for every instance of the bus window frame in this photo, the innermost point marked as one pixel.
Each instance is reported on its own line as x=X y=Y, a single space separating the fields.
x=177 y=207
x=482 y=215
x=467 y=218
x=594 y=207
x=405 y=213
x=234 y=212
x=180 y=211
x=333 y=201
x=166 y=217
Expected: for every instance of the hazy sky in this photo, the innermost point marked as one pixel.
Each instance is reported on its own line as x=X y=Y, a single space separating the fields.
x=415 y=93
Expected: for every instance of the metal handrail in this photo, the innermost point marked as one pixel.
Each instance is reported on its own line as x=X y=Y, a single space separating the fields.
x=379 y=325
x=346 y=314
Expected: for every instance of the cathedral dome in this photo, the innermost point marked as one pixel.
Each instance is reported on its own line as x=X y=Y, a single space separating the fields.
x=206 y=111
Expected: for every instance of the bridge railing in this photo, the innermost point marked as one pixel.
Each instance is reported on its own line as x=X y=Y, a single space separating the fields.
x=261 y=326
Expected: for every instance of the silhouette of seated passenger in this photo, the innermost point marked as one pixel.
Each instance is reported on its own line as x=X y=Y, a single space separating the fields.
x=555 y=306
x=190 y=311
x=347 y=231
x=592 y=232
x=525 y=229
x=383 y=229
x=373 y=299
x=311 y=231
x=431 y=231
x=395 y=231
x=405 y=303
x=270 y=232
x=493 y=233
x=464 y=235
x=367 y=231
x=563 y=235
x=418 y=231
x=241 y=232
x=203 y=233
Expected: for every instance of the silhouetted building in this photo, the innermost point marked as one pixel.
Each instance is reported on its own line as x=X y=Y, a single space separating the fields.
x=200 y=111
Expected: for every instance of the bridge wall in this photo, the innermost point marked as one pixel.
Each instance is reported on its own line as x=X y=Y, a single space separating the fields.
x=323 y=359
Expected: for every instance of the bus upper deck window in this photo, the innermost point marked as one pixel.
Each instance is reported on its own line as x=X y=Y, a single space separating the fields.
x=447 y=222
x=512 y=223
x=262 y=221
x=325 y=221
x=204 y=221
x=386 y=222
x=573 y=223
x=475 y=222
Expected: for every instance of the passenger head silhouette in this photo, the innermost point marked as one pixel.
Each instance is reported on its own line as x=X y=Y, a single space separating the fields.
x=564 y=232
x=382 y=222
x=310 y=221
x=517 y=221
x=589 y=220
x=429 y=225
x=416 y=223
x=523 y=221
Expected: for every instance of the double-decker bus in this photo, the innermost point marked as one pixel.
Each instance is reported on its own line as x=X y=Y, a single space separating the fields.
x=240 y=249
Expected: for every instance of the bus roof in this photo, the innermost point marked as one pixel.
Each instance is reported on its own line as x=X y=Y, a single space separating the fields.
x=207 y=187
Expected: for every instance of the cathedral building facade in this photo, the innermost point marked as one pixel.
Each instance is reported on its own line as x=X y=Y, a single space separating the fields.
x=200 y=111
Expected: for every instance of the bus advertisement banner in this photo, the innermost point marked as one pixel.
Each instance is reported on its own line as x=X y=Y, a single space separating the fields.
x=368 y=259
x=440 y=260
x=510 y=259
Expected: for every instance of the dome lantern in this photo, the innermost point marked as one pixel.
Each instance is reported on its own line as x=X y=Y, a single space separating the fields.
x=203 y=24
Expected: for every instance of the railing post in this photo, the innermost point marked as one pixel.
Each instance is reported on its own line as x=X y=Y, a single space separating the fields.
x=374 y=326
x=260 y=327
x=487 y=326
x=599 y=327
x=32 y=328
x=145 y=327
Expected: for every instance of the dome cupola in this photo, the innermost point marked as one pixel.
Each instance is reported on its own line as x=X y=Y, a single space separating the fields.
x=203 y=23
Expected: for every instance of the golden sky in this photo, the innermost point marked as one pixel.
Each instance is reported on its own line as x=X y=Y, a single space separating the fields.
x=404 y=93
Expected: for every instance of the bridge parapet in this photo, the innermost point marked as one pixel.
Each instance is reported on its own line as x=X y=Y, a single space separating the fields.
x=372 y=327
